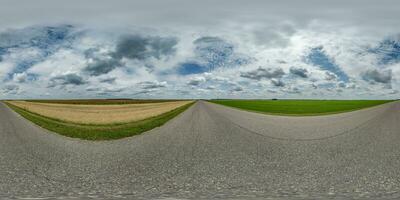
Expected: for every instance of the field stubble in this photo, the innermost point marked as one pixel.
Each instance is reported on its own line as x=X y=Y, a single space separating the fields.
x=99 y=114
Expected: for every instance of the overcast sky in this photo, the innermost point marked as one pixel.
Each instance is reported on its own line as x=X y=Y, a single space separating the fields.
x=199 y=49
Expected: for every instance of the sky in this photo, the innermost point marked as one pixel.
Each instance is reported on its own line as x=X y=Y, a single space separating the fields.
x=306 y=49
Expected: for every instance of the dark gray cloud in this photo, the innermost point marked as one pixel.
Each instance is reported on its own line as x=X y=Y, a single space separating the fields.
x=266 y=73
x=100 y=67
x=277 y=82
x=237 y=89
x=342 y=84
x=113 y=90
x=376 y=76
x=140 y=47
x=210 y=87
x=300 y=72
x=108 y=80
x=131 y=47
x=293 y=90
x=194 y=82
x=152 y=84
x=68 y=79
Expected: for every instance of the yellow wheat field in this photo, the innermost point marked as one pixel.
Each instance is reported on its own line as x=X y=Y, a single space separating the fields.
x=99 y=114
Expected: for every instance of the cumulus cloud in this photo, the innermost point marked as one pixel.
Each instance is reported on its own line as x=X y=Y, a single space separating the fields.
x=388 y=50
x=196 y=81
x=152 y=84
x=237 y=89
x=99 y=67
x=67 y=79
x=376 y=76
x=135 y=47
x=277 y=82
x=10 y=89
x=140 y=47
x=330 y=76
x=300 y=72
x=211 y=53
x=305 y=55
x=109 y=80
x=263 y=73
x=32 y=45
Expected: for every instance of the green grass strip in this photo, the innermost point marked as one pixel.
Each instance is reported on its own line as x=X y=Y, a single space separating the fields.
x=99 y=132
x=300 y=107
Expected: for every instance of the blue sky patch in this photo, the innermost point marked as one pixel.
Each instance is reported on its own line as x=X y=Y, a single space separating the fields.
x=47 y=39
x=388 y=51
x=318 y=58
x=191 y=68
x=215 y=51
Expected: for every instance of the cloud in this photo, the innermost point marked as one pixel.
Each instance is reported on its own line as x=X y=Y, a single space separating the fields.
x=300 y=72
x=329 y=76
x=277 y=82
x=206 y=57
x=215 y=51
x=67 y=79
x=10 y=89
x=196 y=81
x=376 y=76
x=342 y=85
x=212 y=53
x=388 y=50
x=109 y=80
x=134 y=47
x=99 y=67
x=210 y=87
x=141 y=48
x=32 y=45
x=23 y=77
x=152 y=84
x=261 y=73
x=237 y=89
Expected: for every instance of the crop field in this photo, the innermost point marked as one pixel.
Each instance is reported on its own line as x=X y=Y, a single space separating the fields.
x=99 y=114
x=99 y=122
x=300 y=107
x=102 y=101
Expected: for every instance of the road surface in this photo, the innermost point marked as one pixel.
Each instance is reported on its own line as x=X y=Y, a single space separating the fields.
x=211 y=151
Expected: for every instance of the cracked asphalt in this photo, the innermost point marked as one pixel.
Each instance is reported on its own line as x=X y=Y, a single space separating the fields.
x=211 y=152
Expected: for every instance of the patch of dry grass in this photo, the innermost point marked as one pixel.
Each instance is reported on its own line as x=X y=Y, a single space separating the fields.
x=99 y=114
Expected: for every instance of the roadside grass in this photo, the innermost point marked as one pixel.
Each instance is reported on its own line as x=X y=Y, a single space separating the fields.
x=99 y=132
x=300 y=107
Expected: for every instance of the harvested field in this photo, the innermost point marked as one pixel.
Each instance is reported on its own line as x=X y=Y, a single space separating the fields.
x=99 y=114
x=101 y=101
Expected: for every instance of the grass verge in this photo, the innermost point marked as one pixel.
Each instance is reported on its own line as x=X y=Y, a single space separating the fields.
x=99 y=132
x=300 y=107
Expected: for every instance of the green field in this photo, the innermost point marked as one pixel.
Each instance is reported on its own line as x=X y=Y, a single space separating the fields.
x=300 y=107
x=99 y=132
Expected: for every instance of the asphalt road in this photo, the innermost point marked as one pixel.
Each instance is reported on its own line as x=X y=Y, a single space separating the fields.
x=211 y=151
